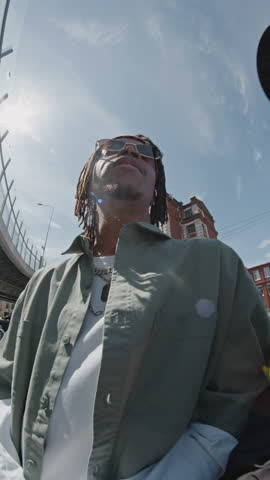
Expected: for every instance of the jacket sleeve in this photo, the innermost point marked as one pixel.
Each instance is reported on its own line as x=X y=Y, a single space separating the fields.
x=10 y=466
x=7 y=348
x=240 y=351
x=201 y=453
x=9 y=460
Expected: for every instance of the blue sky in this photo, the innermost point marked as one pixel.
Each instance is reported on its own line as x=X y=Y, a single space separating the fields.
x=180 y=71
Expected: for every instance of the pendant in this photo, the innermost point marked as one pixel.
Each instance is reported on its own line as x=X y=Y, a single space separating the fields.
x=105 y=292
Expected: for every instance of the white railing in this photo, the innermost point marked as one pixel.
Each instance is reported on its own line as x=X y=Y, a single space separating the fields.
x=14 y=225
x=15 y=229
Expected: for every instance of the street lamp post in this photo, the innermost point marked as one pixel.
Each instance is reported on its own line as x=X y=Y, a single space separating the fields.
x=49 y=226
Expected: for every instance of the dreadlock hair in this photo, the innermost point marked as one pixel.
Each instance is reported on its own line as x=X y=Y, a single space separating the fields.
x=86 y=206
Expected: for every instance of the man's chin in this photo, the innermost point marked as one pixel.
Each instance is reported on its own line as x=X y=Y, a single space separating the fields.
x=122 y=192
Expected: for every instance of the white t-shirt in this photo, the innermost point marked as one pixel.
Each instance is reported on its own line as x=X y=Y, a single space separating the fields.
x=70 y=434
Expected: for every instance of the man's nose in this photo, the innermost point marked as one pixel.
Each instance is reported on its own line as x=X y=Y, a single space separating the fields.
x=131 y=148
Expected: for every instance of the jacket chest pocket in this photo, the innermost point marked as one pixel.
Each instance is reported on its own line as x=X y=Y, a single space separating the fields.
x=172 y=373
x=174 y=324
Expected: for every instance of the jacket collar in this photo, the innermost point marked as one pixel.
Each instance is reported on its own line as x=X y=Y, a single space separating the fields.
x=81 y=243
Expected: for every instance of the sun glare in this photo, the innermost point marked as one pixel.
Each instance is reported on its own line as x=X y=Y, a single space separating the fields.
x=18 y=117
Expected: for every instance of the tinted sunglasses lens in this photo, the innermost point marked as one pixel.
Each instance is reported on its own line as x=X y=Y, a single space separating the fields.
x=115 y=145
x=146 y=150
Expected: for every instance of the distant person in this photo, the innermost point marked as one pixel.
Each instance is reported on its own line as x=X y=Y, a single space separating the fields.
x=4 y=322
x=141 y=356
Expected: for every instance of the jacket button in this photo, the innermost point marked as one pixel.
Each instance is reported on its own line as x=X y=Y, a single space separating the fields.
x=66 y=339
x=30 y=465
x=44 y=401
x=109 y=399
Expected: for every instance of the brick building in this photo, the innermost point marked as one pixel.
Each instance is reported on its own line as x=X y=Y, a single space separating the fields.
x=190 y=220
x=261 y=277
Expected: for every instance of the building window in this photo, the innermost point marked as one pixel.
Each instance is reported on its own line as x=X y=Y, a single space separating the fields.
x=256 y=275
x=188 y=213
x=261 y=290
x=266 y=272
x=268 y=288
x=191 y=228
x=204 y=230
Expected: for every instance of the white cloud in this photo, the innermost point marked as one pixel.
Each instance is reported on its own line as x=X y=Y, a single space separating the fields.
x=189 y=107
x=56 y=225
x=54 y=253
x=23 y=114
x=94 y=33
x=154 y=30
x=38 y=241
x=25 y=209
x=52 y=151
x=219 y=100
x=257 y=156
x=239 y=187
x=264 y=243
x=200 y=196
x=242 y=87
x=239 y=80
x=205 y=45
x=267 y=255
x=208 y=45
x=202 y=122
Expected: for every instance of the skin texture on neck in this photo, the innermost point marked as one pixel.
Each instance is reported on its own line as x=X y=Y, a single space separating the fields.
x=123 y=194
x=110 y=225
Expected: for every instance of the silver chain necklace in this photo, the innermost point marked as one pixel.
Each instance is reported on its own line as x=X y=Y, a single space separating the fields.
x=105 y=290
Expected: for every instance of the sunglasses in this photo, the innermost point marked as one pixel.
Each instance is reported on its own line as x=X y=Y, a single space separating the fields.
x=143 y=149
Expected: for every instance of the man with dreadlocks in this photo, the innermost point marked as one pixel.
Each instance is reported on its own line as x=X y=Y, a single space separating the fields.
x=139 y=357
x=124 y=197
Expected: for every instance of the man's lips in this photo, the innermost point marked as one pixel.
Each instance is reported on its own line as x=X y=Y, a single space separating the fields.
x=127 y=161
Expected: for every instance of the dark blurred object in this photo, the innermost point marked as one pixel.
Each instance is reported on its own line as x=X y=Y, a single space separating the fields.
x=263 y=62
x=4 y=322
x=254 y=445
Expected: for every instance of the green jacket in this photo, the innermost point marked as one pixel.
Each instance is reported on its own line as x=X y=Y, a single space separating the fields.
x=185 y=338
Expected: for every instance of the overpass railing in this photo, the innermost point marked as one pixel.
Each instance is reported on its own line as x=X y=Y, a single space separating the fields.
x=14 y=225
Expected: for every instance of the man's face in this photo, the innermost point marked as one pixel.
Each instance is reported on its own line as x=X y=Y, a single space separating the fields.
x=124 y=174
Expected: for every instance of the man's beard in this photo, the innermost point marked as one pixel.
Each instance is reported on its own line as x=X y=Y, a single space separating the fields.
x=122 y=192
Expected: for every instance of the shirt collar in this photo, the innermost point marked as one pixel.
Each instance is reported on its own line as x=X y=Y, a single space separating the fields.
x=81 y=243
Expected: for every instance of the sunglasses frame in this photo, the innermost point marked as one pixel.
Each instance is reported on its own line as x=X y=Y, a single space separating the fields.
x=125 y=143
